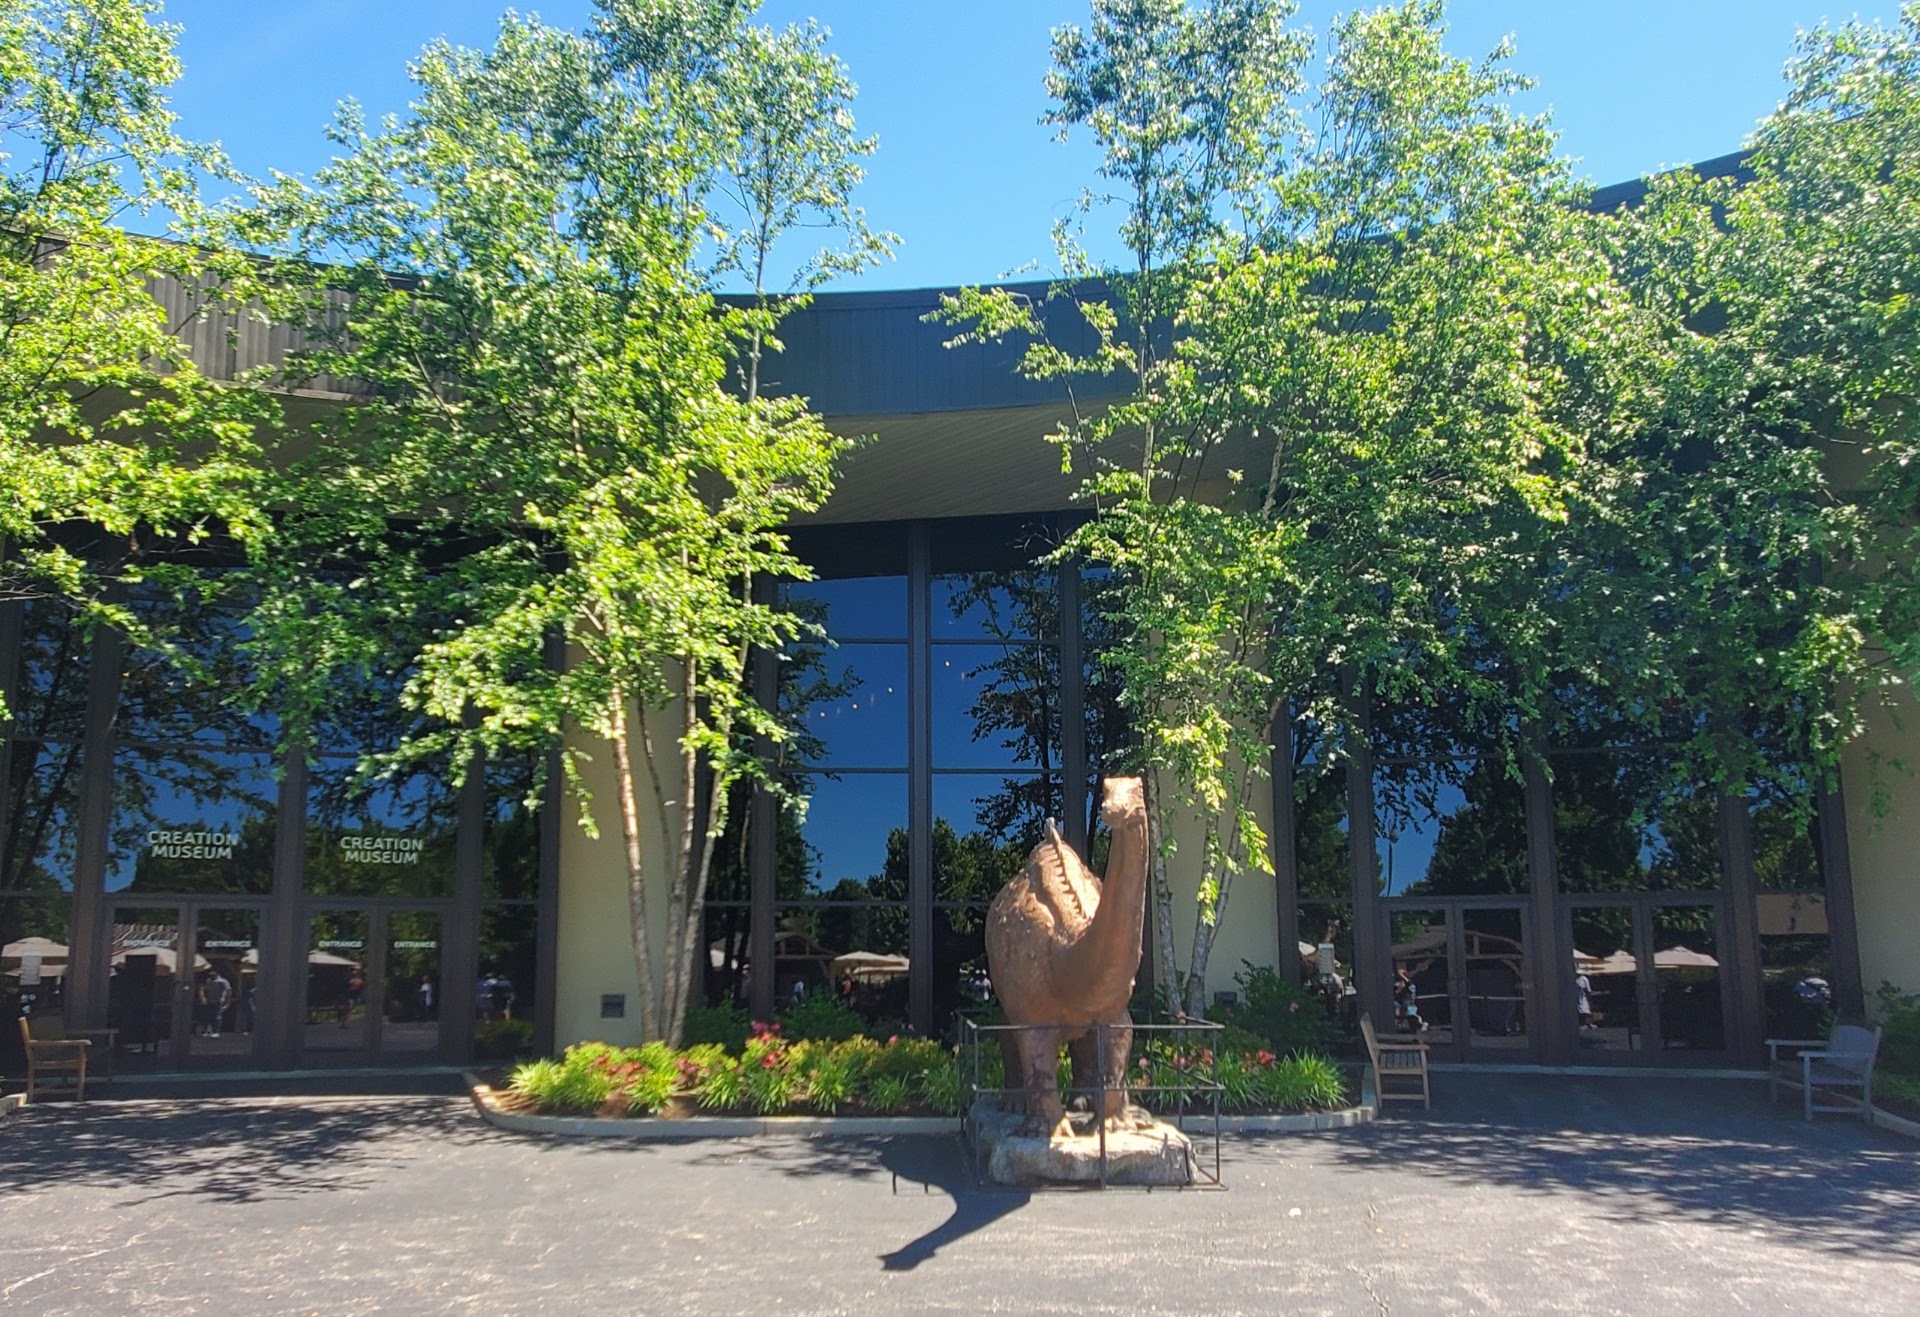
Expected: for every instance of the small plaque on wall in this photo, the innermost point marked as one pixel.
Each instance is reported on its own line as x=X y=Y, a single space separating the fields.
x=613 y=1005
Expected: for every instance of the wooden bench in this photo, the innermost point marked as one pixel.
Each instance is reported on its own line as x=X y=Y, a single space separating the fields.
x=52 y=1053
x=1397 y=1061
x=1830 y=1066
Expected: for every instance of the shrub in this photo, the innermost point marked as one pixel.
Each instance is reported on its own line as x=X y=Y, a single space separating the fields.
x=942 y=1088
x=724 y=1085
x=1302 y=1083
x=888 y=1093
x=768 y=1074
x=502 y=1040
x=830 y=1079
x=536 y=1081
x=905 y=1058
x=1900 y=1017
x=649 y=1090
x=726 y=1025
x=820 y=1017
x=1284 y=1018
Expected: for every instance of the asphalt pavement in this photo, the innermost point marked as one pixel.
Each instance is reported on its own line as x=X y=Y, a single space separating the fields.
x=1517 y=1194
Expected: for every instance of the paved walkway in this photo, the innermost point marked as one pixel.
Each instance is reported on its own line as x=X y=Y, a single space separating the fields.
x=1526 y=1194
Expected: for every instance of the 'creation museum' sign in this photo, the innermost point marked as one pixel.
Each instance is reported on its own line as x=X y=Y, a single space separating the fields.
x=356 y=849
x=170 y=844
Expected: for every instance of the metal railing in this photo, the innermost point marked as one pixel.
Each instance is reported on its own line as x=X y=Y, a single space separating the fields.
x=1179 y=1083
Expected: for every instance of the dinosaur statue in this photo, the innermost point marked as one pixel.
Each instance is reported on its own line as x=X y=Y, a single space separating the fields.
x=1062 y=951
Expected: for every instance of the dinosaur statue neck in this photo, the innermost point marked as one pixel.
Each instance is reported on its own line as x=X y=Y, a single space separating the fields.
x=1095 y=971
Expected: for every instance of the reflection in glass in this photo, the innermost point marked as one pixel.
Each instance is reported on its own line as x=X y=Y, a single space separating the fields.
x=1619 y=827
x=226 y=991
x=336 y=998
x=1786 y=838
x=35 y=947
x=851 y=844
x=37 y=828
x=509 y=953
x=1320 y=836
x=49 y=694
x=983 y=828
x=197 y=688
x=859 y=608
x=857 y=953
x=144 y=980
x=729 y=963
x=1452 y=828
x=1324 y=922
x=844 y=705
x=410 y=1019
x=1495 y=955
x=510 y=845
x=192 y=821
x=1687 y=969
x=1422 y=985
x=997 y=706
x=1798 y=971
x=383 y=837
x=1605 y=980
x=1005 y=605
x=961 y=985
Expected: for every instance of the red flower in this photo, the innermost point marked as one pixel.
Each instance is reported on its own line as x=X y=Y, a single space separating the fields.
x=770 y=1060
x=1264 y=1057
x=891 y=1041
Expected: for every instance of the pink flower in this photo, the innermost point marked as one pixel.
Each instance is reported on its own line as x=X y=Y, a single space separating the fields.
x=1293 y=1008
x=1264 y=1057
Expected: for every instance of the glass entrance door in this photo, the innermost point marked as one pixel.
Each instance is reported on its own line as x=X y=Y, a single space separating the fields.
x=373 y=984
x=1649 y=979
x=182 y=984
x=1460 y=978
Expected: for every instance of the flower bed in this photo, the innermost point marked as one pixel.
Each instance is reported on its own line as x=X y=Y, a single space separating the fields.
x=771 y=1075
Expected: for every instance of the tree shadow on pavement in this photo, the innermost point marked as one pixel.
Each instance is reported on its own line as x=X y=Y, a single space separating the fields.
x=910 y=1164
x=230 y=1150
x=1649 y=1149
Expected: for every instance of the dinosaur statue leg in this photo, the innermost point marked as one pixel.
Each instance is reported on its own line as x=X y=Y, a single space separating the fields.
x=1040 y=1077
x=1089 y=1067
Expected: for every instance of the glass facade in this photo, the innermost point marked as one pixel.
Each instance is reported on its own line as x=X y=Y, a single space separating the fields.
x=237 y=906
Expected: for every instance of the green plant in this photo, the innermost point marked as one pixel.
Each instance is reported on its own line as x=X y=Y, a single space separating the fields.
x=888 y=1093
x=501 y=1040
x=942 y=1087
x=1302 y=1083
x=536 y=1080
x=1282 y=1017
x=724 y=1085
x=726 y=1025
x=829 y=1079
x=820 y=1017
x=1899 y=1014
x=650 y=1090
x=769 y=1074
x=905 y=1058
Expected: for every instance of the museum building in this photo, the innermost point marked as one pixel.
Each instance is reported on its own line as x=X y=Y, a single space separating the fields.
x=165 y=874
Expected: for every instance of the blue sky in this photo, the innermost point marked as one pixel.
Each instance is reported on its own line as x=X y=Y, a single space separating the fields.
x=965 y=174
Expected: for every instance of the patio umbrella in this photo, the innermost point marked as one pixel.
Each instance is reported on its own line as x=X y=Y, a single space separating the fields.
x=46 y=948
x=869 y=965
x=1683 y=958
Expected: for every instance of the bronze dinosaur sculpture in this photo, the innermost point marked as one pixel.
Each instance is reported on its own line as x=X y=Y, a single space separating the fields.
x=1062 y=950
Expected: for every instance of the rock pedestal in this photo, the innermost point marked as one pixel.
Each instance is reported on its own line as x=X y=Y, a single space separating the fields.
x=1157 y=1155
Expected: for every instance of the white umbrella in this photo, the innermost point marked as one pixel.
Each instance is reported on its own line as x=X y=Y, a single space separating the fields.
x=45 y=947
x=1683 y=958
x=869 y=965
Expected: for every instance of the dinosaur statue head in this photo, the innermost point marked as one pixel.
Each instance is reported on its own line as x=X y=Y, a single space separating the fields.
x=1125 y=800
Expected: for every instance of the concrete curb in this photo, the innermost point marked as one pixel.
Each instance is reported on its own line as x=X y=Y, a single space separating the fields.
x=11 y=1103
x=649 y=1130
x=1893 y=1124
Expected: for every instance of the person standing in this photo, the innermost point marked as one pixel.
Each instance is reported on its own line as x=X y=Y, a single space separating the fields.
x=217 y=990
x=425 y=993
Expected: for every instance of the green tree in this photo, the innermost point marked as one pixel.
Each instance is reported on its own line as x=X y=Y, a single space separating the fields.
x=105 y=422
x=546 y=445
x=1364 y=379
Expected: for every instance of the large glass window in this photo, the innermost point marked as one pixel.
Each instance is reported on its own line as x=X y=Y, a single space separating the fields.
x=47 y=693
x=1455 y=828
x=195 y=689
x=380 y=837
x=1622 y=825
x=192 y=821
x=37 y=830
